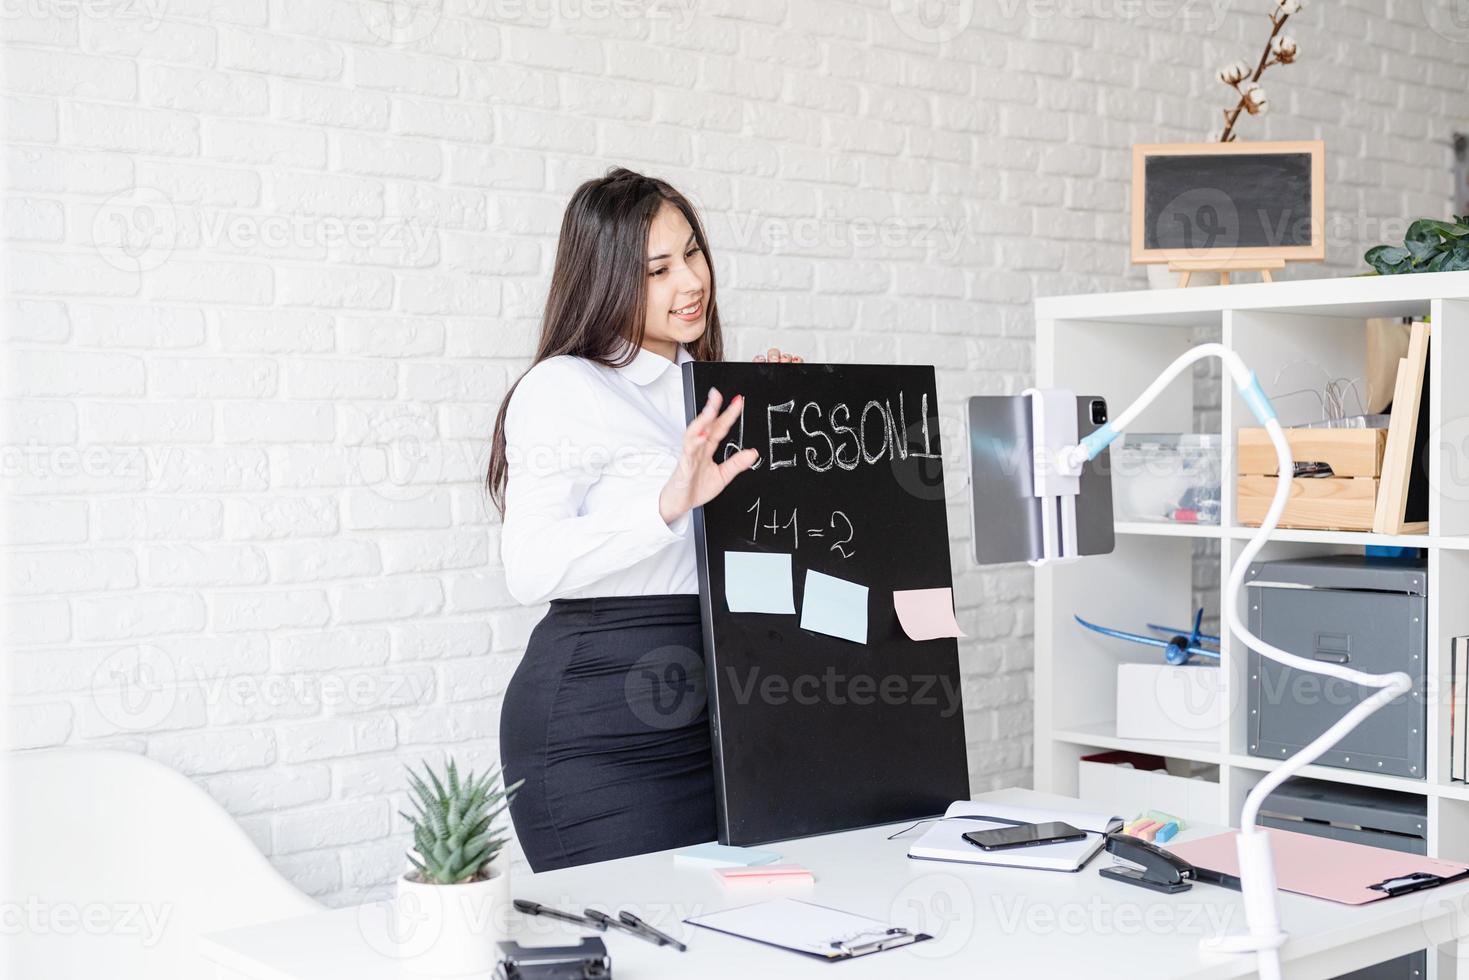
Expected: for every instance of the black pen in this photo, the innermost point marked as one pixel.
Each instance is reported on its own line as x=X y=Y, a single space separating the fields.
x=603 y=921
x=662 y=937
x=536 y=908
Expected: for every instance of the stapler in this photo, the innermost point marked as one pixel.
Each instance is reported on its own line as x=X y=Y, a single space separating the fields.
x=1159 y=870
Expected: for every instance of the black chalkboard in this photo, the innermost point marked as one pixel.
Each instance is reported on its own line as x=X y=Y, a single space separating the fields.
x=1229 y=202
x=813 y=733
x=1250 y=200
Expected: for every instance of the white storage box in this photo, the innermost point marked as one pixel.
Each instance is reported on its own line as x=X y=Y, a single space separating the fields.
x=1184 y=703
x=1127 y=791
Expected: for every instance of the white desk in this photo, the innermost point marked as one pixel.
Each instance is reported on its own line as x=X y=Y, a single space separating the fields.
x=987 y=921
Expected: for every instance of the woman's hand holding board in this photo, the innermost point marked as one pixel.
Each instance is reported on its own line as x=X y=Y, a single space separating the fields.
x=774 y=356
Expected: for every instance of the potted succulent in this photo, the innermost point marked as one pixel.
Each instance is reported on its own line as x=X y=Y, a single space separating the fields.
x=457 y=893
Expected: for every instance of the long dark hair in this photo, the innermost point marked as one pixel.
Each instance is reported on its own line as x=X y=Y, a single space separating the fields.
x=599 y=288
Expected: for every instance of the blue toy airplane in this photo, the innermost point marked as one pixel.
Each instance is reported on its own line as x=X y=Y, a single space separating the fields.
x=1181 y=646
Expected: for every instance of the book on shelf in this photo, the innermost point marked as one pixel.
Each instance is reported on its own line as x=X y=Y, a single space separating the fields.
x=1459 y=709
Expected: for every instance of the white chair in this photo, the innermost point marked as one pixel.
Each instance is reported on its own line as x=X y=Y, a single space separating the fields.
x=117 y=864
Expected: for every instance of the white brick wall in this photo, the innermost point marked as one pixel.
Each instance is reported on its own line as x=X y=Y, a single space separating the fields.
x=271 y=265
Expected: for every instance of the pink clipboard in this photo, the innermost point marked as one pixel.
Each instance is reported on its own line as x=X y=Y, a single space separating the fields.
x=1338 y=871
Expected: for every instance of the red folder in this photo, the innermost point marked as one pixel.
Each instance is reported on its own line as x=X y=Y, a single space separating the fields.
x=1338 y=871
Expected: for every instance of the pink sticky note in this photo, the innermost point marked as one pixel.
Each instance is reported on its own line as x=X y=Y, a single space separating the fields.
x=764 y=874
x=927 y=614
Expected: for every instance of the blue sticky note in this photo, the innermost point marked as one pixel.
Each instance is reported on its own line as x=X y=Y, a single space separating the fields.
x=835 y=607
x=757 y=582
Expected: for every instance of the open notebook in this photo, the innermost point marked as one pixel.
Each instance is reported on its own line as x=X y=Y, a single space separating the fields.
x=945 y=841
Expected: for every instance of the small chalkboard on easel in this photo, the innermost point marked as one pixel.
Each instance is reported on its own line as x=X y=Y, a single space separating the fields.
x=1228 y=207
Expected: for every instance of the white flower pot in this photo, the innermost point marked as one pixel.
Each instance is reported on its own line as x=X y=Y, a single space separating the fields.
x=452 y=930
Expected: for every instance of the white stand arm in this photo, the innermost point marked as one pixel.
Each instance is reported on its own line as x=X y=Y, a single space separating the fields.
x=1257 y=869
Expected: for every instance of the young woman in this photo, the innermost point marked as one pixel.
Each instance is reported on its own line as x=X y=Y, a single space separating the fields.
x=595 y=474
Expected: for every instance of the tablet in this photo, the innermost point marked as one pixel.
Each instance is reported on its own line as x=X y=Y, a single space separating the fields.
x=1005 y=513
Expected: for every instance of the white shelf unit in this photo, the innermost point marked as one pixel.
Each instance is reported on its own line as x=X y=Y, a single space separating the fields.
x=1113 y=344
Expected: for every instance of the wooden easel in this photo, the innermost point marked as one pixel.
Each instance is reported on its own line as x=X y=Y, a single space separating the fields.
x=1186 y=267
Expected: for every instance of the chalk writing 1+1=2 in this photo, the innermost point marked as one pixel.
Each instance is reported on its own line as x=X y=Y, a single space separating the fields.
x=839 y=527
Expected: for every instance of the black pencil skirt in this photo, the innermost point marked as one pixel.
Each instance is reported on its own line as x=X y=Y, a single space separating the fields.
x=607 y=721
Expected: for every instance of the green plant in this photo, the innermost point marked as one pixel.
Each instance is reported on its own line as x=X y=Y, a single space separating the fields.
x=1429 y=246
x=454 y=831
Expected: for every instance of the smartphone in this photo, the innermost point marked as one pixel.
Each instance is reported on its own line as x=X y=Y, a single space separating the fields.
x=1005 y=515
x=1025 y=835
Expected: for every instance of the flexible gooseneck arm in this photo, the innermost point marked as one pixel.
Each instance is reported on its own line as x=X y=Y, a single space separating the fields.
x=1257 y=869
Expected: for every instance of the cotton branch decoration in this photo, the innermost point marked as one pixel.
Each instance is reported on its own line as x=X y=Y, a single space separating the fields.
x=1280 y=49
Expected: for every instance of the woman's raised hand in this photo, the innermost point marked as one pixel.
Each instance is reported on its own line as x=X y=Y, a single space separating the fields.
x=698 y=478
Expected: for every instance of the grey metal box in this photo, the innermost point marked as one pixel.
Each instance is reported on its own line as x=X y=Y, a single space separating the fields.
x=1412 y=966
x=1368 y=613
x=1360 y=814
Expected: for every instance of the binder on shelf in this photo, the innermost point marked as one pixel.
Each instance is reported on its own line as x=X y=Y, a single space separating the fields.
x=1459 y=709
x=804 y=927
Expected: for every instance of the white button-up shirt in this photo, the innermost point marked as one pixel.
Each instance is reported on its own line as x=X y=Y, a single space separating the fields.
x=589 y=450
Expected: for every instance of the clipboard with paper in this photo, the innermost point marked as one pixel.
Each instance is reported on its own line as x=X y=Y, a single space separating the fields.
x=944 y=841
x=1320 y=867
x=804 y=927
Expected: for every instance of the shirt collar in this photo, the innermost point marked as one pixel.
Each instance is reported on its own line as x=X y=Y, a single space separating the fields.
x=647 y=367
